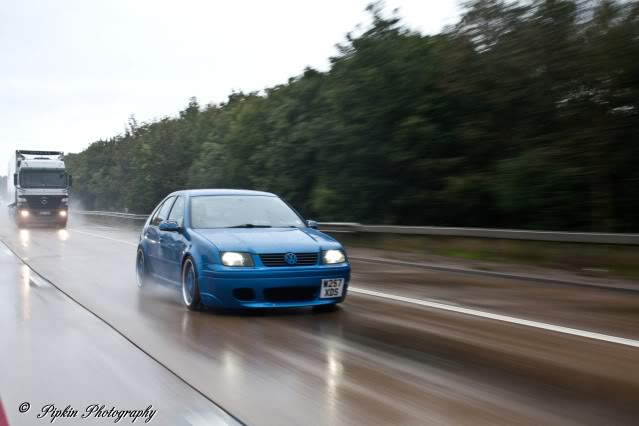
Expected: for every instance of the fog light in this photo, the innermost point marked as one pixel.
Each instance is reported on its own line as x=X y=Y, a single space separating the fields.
x=24 y=213
x=63 y=213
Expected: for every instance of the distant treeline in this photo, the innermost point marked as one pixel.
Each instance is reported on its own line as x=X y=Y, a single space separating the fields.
x=523 y=115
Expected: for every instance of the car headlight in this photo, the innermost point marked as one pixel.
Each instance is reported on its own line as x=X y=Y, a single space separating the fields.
x=233 y=258
x=333 y=256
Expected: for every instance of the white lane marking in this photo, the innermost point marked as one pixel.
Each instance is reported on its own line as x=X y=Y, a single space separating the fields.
x=102 y=236
x=503 y=318
x=467 y=311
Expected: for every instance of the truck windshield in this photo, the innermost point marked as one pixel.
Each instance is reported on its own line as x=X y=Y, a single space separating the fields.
x=43 y=179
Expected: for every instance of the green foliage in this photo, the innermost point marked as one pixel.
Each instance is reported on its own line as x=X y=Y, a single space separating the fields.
x=524 y=114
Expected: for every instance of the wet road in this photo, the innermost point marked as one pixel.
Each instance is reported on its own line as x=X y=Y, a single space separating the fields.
x=56 y=352
x=375 y=361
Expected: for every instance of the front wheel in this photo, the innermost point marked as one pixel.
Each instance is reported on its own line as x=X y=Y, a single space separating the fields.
x=190 y=286
x=141 y=269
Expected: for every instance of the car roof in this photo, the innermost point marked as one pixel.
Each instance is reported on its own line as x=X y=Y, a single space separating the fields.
x=199 y=192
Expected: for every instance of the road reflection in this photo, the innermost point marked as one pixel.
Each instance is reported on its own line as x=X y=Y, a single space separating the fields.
x=25 y=237
x=333 y=379
x=231 y=364
x=63 y=234
x=25 y=302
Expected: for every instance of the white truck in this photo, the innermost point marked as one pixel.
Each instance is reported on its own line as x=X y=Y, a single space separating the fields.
x=40 y=191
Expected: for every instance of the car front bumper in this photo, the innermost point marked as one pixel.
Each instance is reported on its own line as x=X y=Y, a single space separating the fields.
x=292 y=286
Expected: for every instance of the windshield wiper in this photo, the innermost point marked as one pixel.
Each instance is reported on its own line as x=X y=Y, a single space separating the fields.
x=249 y=225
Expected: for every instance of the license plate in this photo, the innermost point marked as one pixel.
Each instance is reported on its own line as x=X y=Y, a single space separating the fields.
x=332 y=287
x=45 y=213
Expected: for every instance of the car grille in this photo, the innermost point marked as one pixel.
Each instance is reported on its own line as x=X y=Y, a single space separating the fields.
x=35 y=201
x=278 y=259
x=290 y=294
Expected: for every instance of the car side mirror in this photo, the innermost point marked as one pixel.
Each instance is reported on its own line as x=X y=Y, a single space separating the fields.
x=15 y=179
x=70 y=180
x=169 y=226
x=312 y=224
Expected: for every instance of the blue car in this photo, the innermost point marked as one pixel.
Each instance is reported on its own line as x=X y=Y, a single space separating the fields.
x=240 y=249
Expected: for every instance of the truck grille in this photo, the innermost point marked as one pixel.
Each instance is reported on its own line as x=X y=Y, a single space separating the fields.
x=279 y=259
x=45 y=202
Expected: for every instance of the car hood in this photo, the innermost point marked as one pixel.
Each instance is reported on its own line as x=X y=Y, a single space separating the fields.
x=269 y=240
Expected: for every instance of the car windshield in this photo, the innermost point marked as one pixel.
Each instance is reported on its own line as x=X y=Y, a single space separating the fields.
x=242 y=211
x=43 y=179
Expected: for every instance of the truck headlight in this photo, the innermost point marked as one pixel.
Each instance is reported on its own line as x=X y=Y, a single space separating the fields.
x=24 y=213
x=63 y=213
x=333 y=256
x=232 y=258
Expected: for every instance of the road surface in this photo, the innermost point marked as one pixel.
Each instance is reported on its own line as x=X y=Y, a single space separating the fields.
x=409 y=346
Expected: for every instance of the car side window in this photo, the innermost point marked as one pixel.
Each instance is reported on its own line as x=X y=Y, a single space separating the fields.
x=163 y=212
x=177 y=212
x=155 y=213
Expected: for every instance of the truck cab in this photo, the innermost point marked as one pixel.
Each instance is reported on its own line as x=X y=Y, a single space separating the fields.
x=41 y=189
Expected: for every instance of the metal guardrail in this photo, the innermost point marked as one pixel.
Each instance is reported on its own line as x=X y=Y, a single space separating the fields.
x=510 y=234
x=112 y=214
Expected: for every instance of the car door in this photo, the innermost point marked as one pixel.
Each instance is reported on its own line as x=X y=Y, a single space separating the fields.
x=172 y=243
x=153 y=236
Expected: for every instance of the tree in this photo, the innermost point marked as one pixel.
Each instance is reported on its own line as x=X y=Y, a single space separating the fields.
x=523 y=114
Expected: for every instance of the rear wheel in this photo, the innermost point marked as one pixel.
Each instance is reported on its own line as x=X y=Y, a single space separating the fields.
x=190 y=286
x=141 y=269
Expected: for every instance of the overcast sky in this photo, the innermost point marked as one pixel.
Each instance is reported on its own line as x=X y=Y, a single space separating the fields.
x=73 y=71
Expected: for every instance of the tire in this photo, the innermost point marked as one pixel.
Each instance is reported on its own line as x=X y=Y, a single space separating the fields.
x=332 y=307
x=141 y=269
x=190 y=286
